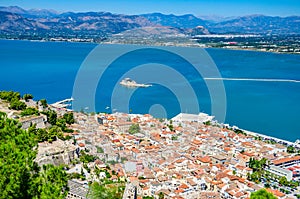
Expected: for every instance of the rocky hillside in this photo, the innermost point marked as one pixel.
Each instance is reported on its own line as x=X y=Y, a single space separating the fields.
x=17 y=21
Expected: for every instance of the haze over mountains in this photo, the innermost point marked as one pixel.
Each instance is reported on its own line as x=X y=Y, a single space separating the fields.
x=15 y=20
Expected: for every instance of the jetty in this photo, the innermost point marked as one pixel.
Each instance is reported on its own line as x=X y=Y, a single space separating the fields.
x=63 y=103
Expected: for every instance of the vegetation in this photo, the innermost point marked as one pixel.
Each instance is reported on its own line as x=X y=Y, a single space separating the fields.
x=51 y=116
x=29 y=111
x=86 y=158
x=161 y=195
x=208 y=123
x=170 y=126
x=174 y=137
x=76 y=176
x=61 y=122
x=99 y=149
x=14 y=100
x=9 y=95
x=21 y=177
x=69 y=118
x=26 y=97
x=262 y=194
x=17 y=105
x=291 y=149
x=44 y=103
x=239 y=131
x=134 y=128
x=106 y=190
x=258 y=169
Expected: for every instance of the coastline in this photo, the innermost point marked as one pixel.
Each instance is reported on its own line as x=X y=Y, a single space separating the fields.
x=266 y=137
x=191 y=45
x=261 y=135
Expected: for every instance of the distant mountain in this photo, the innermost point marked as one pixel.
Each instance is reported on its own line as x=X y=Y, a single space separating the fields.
x=183 y=21
x=17 y=21
x=97 y=21
x=101 y=22
x=42 y=13
x=13 y=9
x=10 y=22
x=258 y=24
x=153 y=31
x=32 y=13
x=215 y=18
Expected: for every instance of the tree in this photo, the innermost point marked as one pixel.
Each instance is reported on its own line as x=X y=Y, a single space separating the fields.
x=20 y=176
x=134 y=128
x=44 y=103
x=52 y=182
x=9 y=95
x=30 y=111
x=15 y=104
x=262 y=194
x=291 y=149
x=69 y=117
x=105 y=190
x=283 y=181
x=26 y=97
x=51 y=117
x=161 y=195
x=86 y=158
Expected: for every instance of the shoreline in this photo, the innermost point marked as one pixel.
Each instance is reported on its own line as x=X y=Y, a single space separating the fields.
x=267 y=137
x=196 y=45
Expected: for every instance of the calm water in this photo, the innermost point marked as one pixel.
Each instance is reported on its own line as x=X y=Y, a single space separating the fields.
x=48 y=70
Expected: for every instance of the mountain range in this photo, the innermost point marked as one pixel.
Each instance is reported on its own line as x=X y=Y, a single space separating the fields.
x=15 y=20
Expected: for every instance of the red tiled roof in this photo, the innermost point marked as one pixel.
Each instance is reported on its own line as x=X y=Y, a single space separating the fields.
x=284 y=160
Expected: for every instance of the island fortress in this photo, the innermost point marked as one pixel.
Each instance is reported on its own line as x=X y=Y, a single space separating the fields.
x=127 y=82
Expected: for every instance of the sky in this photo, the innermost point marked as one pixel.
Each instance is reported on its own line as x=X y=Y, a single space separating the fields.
x=178 y=7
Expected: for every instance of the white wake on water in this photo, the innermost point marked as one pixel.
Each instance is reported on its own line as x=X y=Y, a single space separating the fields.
x=252 y=79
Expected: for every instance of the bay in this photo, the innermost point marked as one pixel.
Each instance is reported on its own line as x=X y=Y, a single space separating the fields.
x=48 y=70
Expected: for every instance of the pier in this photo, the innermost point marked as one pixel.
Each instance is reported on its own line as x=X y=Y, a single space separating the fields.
x=63 y=103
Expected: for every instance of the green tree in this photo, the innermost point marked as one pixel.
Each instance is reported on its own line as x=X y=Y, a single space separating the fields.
x=106 y=191
x=26 y=97
x=134 y=128
x=99 y=149
x=283 y=181
x=51 y=117
x=15 y=104
x=69 y=118
x=9 y=95
x=161 y=195
x=262 y=194
x=20 y=176
x=30 y=111
x=52 y=183
x=291 y=149
x=86 y=158
x=44 y=103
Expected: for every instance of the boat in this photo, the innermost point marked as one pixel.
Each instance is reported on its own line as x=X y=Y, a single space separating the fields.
x=127 y=82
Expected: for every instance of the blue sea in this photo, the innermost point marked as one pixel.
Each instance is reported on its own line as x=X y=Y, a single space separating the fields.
x=48 y=70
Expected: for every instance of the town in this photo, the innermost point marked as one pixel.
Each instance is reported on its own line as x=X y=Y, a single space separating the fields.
x=188 y=156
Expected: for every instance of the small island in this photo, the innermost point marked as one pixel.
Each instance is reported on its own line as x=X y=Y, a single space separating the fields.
x=132 y=84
